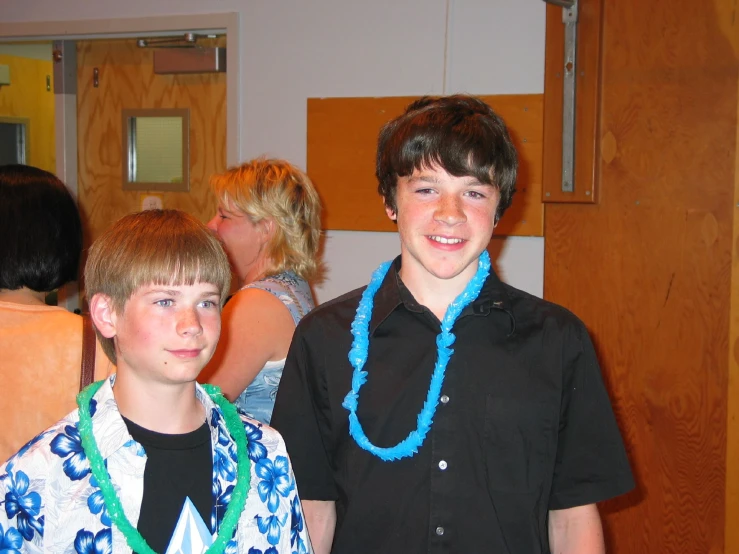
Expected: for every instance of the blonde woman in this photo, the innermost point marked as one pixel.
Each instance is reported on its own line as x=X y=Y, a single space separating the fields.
x=269 y=223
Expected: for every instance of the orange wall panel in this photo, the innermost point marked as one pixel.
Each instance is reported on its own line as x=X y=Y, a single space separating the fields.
x=342 y=143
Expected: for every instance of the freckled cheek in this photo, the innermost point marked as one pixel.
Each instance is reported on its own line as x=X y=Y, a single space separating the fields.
x=135 y=341
x=144 y=337
x=483 y=216
x=414 y=217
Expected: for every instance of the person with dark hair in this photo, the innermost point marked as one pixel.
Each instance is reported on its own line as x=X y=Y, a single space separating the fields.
x=41 y=345
x=439 y=409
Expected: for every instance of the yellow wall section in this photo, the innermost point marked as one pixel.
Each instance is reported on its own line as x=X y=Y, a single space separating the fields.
x=27 y=97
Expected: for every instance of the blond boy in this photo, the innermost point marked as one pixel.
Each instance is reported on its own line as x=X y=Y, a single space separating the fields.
x=151 y=461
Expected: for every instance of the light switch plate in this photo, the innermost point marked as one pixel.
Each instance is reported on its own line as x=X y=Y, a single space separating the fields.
x=151 y=201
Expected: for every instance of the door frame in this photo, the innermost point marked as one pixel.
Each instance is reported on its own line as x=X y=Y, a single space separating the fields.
x=65 y=113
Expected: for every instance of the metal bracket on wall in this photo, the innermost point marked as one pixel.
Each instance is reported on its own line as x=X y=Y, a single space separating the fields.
x=569 y=72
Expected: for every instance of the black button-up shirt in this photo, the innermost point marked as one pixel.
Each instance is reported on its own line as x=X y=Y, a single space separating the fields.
x=524 y=424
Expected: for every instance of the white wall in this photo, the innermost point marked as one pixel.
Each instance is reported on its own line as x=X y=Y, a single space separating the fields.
x=292 y=50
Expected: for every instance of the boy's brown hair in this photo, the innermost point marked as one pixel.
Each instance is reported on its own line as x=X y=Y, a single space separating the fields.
x=159 y=247
x=459 y=133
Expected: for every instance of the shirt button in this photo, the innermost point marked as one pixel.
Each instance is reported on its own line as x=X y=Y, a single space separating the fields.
x=440 y=531
x=444 y=399
x=442 y=465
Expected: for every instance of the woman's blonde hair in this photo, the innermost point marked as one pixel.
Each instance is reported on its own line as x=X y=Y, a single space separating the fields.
x=277 y=190
x=154 y=247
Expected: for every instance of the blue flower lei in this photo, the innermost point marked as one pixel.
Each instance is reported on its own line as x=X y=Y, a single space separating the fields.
x=444 y=340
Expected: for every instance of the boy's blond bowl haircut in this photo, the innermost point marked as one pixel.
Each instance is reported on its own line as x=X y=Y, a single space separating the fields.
x=275 y=189
x=160 y=247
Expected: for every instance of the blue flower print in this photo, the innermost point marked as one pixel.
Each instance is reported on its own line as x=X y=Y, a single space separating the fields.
x=224 y=456
x=274 y=481
x=270 y=550
x=232 y=547
x=10 y=542
x=216 y=421
x=69 y=444
x=272 y=527
x=256 y=449
x=137 y=448
x=296 y=527
x=23 y=505
x=223 y=466
x=300 y=547
x=87 y=543
x=221 y=504
x=25 y=449
x=296 y=523
x=96 y=503
x=215 y=417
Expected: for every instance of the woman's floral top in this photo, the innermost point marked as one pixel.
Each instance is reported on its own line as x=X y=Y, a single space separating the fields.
x=258 y=399
x=49 y=501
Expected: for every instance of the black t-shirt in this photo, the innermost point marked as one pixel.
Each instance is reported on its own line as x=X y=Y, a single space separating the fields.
x=177 y=467
x=524 y=424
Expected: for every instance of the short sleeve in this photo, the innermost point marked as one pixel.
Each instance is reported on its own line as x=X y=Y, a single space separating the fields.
x=591 y=463
x=302 y=416
x=18 y=531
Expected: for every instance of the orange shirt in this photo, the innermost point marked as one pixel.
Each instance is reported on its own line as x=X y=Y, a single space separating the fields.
x=40 y=358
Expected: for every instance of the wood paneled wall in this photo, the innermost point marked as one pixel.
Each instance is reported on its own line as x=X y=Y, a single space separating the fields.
x=127 y=80
x=729 y=28
x=342 y=141
x=649 y=269
x=26 y=97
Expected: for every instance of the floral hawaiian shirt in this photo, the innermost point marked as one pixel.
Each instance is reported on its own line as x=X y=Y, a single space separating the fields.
x=50 y=502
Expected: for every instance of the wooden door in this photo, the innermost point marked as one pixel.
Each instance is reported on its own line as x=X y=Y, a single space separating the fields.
x=126 y=80
x=649 y=269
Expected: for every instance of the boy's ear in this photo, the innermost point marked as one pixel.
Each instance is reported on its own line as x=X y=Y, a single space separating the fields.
x=391 y=213
x=103 y=315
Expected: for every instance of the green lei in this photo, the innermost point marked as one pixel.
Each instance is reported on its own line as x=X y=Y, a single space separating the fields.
x=113 y=504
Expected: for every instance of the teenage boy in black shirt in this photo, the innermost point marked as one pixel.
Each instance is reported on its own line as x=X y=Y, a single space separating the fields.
x=439 y=409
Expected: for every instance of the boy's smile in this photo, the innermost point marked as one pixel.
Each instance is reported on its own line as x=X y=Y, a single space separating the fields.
x=167 y=333
x=445 y=222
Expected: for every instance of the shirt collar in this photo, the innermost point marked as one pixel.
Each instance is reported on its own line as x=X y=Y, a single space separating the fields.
x=111 y=433
x=393 y=293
